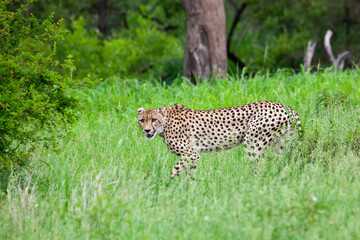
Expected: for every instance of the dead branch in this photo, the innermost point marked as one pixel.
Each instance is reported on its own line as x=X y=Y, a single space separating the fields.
x=339 y=60
x=327 y=45
x=309 y=55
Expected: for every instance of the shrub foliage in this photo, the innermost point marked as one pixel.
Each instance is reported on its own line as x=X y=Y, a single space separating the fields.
x=143 y=52
x=34 y=96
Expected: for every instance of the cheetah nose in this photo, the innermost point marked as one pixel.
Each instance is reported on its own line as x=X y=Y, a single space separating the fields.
x=147 y=130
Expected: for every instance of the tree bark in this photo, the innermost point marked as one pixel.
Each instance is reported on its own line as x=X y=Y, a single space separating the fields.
x=205 y=48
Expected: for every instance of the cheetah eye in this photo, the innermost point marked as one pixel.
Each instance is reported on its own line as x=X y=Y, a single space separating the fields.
x=153 y=120
x=141 y=120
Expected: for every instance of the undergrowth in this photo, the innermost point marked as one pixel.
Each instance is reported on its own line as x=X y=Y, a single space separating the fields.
x=109 y=182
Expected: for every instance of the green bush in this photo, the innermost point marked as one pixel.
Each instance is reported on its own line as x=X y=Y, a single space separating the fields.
x=34 y=96
x=141 y=51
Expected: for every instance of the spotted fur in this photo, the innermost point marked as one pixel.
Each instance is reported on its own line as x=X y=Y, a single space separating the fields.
x=186 y=132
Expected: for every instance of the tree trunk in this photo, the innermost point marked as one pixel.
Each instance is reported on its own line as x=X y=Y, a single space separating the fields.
x=205 y=48
x=102 y=16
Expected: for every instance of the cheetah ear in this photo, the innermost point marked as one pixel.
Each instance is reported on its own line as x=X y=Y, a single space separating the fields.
x=140 y=110
x=162 y=110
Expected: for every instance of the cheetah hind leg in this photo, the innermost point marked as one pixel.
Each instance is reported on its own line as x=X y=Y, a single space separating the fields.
x=283 y=141
x=254 y=147
x=255 y=140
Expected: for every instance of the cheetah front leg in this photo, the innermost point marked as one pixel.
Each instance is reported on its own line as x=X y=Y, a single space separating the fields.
x=187 y=163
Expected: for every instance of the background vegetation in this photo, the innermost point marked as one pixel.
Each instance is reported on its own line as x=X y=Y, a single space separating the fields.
x=105 y=180
x=109 y=181
x=268 y=35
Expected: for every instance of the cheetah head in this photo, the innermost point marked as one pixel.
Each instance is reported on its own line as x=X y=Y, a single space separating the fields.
x=151 y=121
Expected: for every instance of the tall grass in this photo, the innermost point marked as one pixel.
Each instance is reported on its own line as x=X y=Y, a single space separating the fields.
x=109 y=182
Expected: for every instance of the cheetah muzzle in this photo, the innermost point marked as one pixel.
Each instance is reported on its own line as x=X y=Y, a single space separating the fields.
x=186 y=132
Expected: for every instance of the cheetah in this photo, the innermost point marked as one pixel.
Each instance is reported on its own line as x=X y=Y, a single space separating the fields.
x=187 y=132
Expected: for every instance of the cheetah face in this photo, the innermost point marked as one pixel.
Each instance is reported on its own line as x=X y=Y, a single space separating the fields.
x=151 y=121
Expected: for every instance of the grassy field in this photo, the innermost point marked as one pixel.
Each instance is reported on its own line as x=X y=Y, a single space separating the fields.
x=109 y=182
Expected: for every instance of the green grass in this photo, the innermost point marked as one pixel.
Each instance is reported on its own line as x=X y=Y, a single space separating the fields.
x=109 y=182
